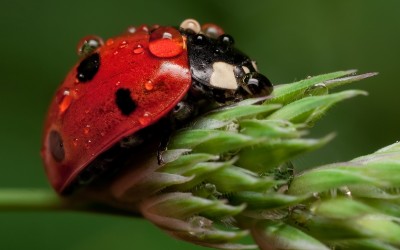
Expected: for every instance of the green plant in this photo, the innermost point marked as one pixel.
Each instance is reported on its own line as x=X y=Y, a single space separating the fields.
x=228 y=174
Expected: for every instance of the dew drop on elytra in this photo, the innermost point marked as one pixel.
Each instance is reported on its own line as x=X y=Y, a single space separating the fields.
x=144 y=28
x=166 y=42
x=145 y=119
x=138 y=49
x=123 y=44
x=149 y=85
x=316 y=90
x=89 y=44
x=86 y=129
x=212 y=30
x=110 y=42
x=131 y=29
x=88 y=144
x=75 y=141
x=64 y=100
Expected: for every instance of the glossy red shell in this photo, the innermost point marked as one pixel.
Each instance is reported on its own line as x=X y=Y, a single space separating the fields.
x=86 y=115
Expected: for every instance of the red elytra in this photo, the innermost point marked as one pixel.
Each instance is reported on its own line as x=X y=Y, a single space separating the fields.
x=84 y=114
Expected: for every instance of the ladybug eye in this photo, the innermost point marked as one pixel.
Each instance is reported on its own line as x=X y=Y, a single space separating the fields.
x=226 y=40
x=257 y=84
x=56 y=146
x=182 y=111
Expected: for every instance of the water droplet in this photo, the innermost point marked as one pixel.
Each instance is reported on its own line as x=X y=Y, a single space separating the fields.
x=225 y=43
x=199 y=225
x=86 y=129
x=210 y=188
x=144 y=28
x=110 y=42
x=154 y=27
x=117 y=83
x=145 y=119
x=88 y=143
x=88 y=45
x=191 y=24
x=75 y=92
x=64 y=99
x=123 y=44
x=212 y=30
x=131 y=29
x=316 y=90
x=138 y=49
x=346 y=191
x=227 y=40
x=200 y=39
x=166 y=42
x=149 y=85
x=75 y=142
x=316 y=195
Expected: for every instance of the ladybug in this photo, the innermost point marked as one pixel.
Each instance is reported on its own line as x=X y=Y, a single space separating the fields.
x=144 y=80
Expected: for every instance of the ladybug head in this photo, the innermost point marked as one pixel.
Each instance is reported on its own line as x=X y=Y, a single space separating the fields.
x=219 y=69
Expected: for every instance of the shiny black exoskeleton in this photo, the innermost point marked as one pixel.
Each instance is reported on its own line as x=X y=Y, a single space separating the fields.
x=204 y=52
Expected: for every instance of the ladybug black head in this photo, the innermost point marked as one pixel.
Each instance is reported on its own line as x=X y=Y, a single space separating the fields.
x=221 y=71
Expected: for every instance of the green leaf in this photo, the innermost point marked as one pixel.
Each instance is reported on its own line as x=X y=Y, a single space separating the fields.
x=201 y=172
x=311 y=108
x=348 y=79
x=364 y=244
x=341 y=208
x=211 y=141
x=256 y=200
x=184 y=205
x=234 y=179
x=380 y=169
x=271 y=129
x=272 y=235
x=242 y=111
x=264 y=156
x=287 y=93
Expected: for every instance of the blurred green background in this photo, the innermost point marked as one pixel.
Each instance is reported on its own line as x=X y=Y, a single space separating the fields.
x=289 y=39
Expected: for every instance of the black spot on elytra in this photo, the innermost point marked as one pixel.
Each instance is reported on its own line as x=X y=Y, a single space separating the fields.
x=124 y=101
x=56 y=146
x=88 y=68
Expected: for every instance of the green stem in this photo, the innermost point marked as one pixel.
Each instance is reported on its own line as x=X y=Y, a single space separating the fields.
x=17 y=200
x=32 y=200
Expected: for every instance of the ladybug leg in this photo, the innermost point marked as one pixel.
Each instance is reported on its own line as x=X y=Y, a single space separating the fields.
x=162 y=147
x=178 y=117
x=165 y=128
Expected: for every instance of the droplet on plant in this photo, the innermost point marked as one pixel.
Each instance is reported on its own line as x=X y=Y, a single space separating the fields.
x=316 y=90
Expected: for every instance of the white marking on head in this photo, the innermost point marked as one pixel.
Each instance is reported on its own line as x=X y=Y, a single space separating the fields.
x=246 y=70
x=223 y=76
